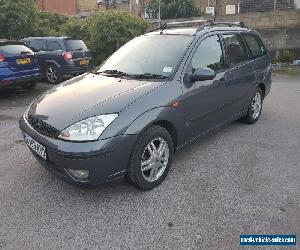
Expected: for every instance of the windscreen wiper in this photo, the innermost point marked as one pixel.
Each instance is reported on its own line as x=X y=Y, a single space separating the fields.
x=25 y=52
x=150 y=76
x=111 y=72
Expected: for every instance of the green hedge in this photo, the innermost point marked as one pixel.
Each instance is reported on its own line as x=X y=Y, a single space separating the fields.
x=103 y=32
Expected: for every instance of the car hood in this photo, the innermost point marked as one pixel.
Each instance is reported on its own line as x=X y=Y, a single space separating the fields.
x=88 y=95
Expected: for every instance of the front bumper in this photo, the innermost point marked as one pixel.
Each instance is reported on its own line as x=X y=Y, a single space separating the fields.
x=105 y=159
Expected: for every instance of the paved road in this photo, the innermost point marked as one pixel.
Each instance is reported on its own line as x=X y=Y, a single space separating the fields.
x=242 y=179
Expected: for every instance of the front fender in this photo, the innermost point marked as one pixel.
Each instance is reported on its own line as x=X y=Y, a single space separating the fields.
x=168 y=115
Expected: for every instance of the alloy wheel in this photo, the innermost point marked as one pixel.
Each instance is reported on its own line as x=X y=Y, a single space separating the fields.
x=155 y=159
x=52 y=75
x=256 y=105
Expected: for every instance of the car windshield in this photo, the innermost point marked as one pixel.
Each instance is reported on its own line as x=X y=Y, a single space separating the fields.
x=148 y=56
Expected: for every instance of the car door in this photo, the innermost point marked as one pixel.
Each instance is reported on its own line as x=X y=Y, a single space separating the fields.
x=38 y=46
x=54 y=51
x=203 y=101
x=242 y=72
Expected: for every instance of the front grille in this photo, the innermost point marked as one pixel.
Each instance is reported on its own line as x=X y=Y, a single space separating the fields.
x=42 y=127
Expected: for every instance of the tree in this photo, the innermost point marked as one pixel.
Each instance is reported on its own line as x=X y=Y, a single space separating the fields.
x=50 y=24
x=17 y=18
x=173 y=8
x=109 y=30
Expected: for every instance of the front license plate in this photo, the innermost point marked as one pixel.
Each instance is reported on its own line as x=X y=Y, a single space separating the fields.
x=35 y=146
x=23 y=61
x=84 y=62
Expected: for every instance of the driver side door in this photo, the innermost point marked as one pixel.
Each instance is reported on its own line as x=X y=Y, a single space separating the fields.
x=204 y=101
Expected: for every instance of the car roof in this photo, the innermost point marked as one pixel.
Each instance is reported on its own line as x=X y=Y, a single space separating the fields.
x=192 y=28
x=45 y=38
x=194 y=31
x=51 y=38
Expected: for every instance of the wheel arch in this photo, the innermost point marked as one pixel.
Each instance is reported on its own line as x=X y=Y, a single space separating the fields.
x=52 y=62
x=170 y=128
x=168 y=118
x=263 y=88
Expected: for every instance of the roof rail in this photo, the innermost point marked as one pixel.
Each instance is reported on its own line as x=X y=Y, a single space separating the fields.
x=165 y=25
x=185 y=23
x=230 y=24
x=200 y=23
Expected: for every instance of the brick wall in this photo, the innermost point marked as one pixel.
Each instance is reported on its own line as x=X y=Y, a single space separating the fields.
x=58 y=6
x=265 y=5
x=280 y=29
x=86 y=5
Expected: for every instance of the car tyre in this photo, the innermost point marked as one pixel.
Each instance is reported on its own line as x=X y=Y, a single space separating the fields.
x=53 y=74
x=255 y=108
x=151 y=158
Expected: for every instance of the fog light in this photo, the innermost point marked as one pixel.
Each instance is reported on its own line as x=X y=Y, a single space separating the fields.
x=79 y=174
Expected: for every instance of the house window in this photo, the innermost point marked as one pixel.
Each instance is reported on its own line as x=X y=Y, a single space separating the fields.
x=230 y=9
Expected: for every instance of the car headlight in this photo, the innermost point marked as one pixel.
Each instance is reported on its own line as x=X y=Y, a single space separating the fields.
x=89 y=129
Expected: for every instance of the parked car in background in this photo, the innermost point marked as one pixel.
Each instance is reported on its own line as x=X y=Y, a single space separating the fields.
x=60 y=56
x=155 y=94
x=18 y=65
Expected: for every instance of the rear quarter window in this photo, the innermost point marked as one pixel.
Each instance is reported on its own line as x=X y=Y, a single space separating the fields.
x=255 y=45
x=73 y=45
x=15 y=49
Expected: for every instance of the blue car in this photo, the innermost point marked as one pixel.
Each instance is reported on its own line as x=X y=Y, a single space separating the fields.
x=18 y=65
x=60 y=57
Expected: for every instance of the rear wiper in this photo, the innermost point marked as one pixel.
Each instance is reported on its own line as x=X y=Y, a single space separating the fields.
x=151 y=76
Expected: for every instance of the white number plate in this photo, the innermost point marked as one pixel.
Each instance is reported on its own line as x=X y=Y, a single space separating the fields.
x=35 y=146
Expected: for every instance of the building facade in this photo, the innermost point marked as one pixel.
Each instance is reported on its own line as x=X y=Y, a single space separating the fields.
x=265 y=5
x=66 y=7
x=83 y=8
x=227 y=7
x=224 y=7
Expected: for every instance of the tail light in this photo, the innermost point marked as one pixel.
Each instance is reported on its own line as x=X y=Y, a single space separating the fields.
x=67 y=56
x=2 y=58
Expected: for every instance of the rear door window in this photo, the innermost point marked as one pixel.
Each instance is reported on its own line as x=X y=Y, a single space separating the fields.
x=73 y=45
x=15 y=49
x=53 y=45
x=255 y=45
x=235 y=49
x=37 y=45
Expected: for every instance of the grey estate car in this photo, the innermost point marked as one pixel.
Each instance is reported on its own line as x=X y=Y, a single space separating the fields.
x=154 y=95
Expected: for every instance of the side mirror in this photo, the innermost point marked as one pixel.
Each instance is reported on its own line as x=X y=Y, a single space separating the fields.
x=203 y=74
